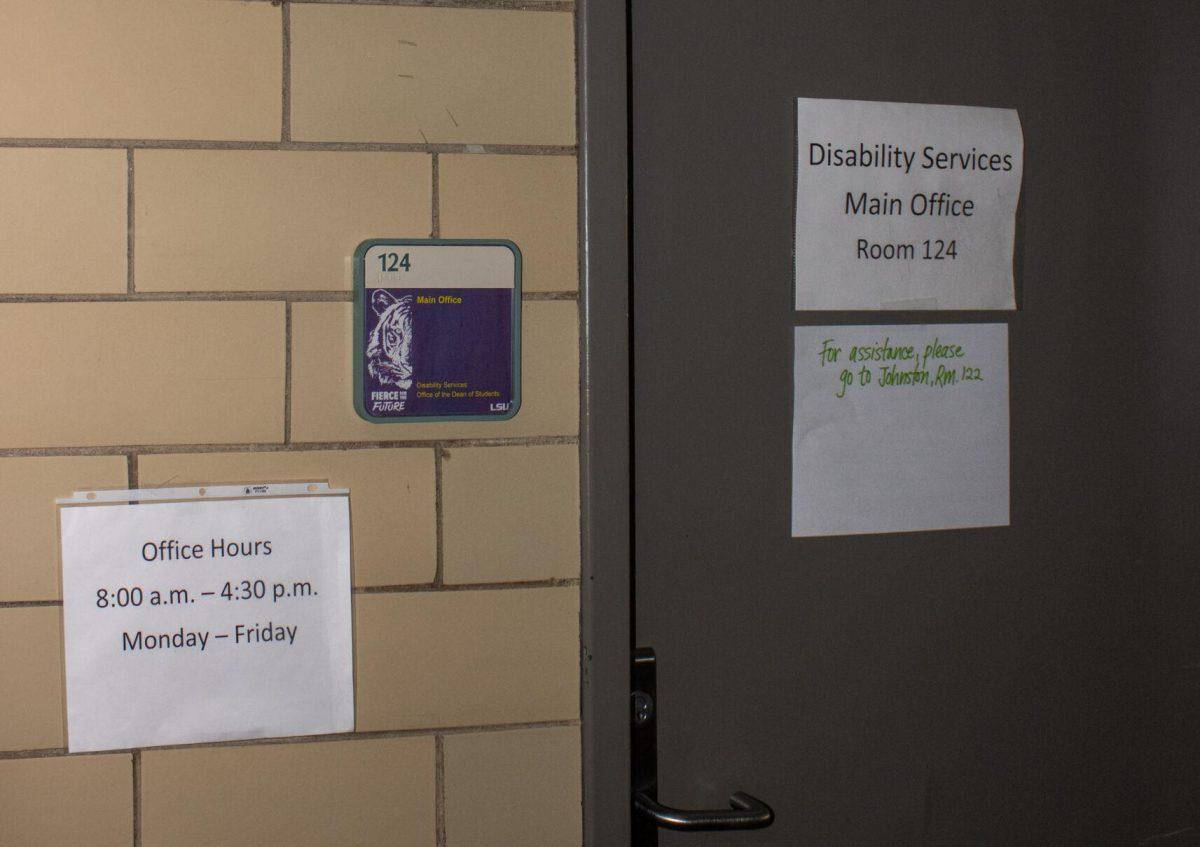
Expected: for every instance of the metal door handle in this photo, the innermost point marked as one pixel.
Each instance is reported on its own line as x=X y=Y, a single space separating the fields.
x=649 y=815
x=746 y=812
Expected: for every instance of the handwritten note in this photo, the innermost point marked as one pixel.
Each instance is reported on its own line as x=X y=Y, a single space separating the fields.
x=899 y=428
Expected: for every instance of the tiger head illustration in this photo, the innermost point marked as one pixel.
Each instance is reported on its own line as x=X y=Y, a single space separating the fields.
x=390 y=346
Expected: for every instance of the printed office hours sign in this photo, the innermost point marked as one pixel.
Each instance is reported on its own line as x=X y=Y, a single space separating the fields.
x=437 y=330
x=206 y=614
x=905 y=205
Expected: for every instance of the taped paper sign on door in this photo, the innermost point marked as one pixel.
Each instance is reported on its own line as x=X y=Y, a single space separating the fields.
x=900 y=428
x=905 y=206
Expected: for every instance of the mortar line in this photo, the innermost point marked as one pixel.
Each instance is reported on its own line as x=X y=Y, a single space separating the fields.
x=285 y=119
x=439 y=518
x=293 y=145
x=278 y=447
x=436 y=210
x=187 y=296
x=137 y=798
x=493 y=5
x=129 y=280
x=332 y=738
x=131 y=469
x=550 y=295
x=227 y=296
x=287 y=373
x=439 y=788
x=431 y=587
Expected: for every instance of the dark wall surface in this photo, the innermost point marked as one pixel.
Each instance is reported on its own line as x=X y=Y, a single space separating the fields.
x=1169 y=443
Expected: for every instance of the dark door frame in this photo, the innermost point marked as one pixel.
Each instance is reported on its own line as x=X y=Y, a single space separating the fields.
x=605 y=444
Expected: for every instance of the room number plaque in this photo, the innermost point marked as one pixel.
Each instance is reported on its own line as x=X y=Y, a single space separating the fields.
x=437 y=330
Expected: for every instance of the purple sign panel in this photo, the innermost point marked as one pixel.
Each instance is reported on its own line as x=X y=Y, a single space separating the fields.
x=429 y=351
x=437 y=352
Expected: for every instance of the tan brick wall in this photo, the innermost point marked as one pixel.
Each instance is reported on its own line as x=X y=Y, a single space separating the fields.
x=498 y=783
x=255 y=220
x=56 y=206
x=67 y=800
x=529 y=199
x=371 y=791
x=454 y=76
x=182 y=183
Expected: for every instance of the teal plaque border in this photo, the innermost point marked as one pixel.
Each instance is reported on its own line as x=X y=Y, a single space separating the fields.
x=360 y=284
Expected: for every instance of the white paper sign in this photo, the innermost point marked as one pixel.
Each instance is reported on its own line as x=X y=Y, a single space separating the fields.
x=203 y=621
x=905 y=206
x=900 y=428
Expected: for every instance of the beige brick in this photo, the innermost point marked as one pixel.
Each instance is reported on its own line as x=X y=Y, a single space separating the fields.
x=140 y=69
x=67 y=801
x=514 y=789
x=530 y=200
x=377 y=792
x=140 y=373
x=259 y=220
x=62 y=221
x=387 y=73
x=29 y=533
x=31 y=667
x=323 y=379
x=511 y=513
x=466 y=658
x=392 y=499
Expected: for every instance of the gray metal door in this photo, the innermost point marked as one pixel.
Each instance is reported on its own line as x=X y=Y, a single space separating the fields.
x=959 y=687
